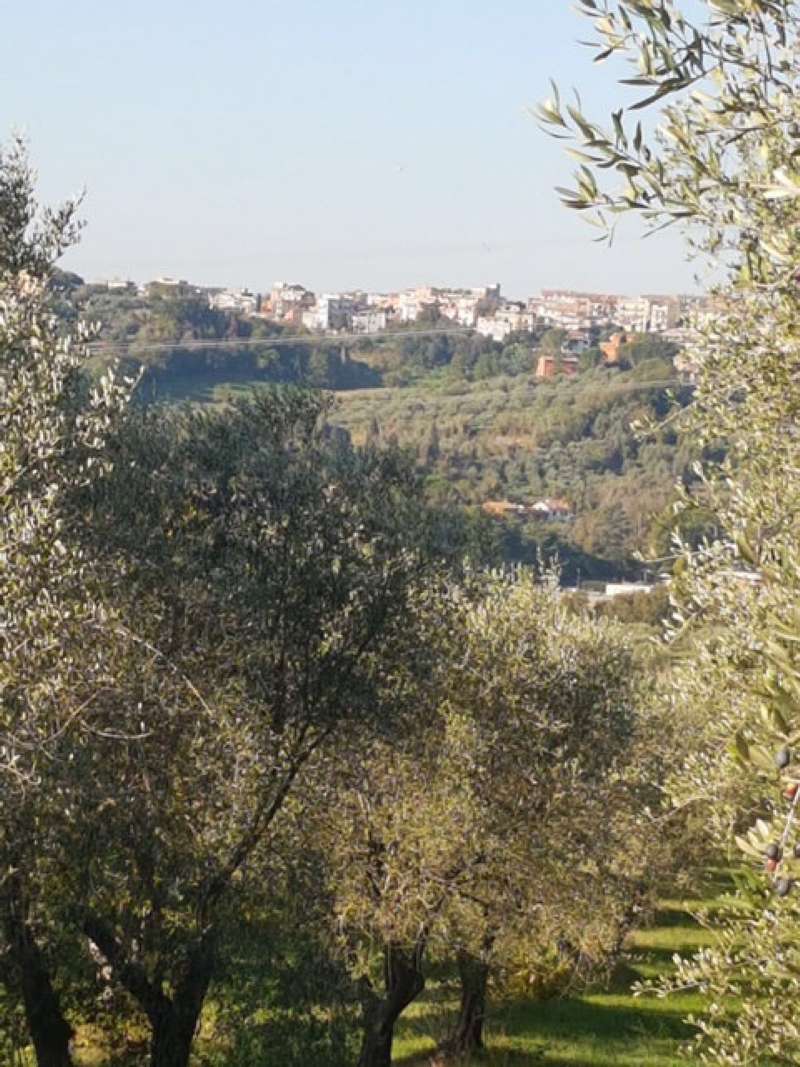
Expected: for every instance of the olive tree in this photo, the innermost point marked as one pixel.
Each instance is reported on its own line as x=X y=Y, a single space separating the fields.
x=722 y=163
x=54 y=625
x=549 y=703
x=484 y=819
x=264 y=567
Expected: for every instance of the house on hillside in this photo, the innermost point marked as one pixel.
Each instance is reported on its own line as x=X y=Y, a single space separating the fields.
x=575 y=342
x=287 y=302
x=552 y=509
x=497 y=329
x=241 y=300
x=548 y=366
x=369 y=320
x=504 y=509
x=332 y=311
x=612 y=348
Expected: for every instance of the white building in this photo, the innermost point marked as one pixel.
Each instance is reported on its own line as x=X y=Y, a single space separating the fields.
x=466 y=310
x=369 y=320
x=497 y=329
x=241 y=300
x=487 y=292
x=553 y=509
x=615 y=589
x=568 y=310
x=515 y=315
x=161 y=284
x=332 y=311
x=286 y=300
x=633 y=314
x=665 y=314
x=408 y=306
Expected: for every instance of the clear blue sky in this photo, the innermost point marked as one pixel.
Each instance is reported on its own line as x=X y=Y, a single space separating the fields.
x=341 y=144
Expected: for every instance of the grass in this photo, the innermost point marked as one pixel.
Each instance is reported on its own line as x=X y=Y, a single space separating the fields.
x=611 y=1028
x=603 y=1028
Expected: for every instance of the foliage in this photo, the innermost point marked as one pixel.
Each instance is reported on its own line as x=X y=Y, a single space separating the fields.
x=57 y=631
x=518 y=439
x=283 y=987
x=265 y=568
x=512 y=808
x=725 y=162
x=650 y=609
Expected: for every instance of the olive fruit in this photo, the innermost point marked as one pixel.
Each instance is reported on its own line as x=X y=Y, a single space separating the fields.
x=783 y=887
x=791 y=791
x=783 y=759
x=773 y=852
x=771 y=865
x=797 y=852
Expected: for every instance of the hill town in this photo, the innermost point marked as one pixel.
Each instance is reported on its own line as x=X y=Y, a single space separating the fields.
x=484 y=309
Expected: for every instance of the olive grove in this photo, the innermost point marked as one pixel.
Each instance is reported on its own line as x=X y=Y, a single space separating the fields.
x=273 y=739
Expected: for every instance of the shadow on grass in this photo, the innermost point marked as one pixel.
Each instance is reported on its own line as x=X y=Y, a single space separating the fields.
x=605 y=1027
x=574 y=1022
x=580 y=1018
x=669 y=917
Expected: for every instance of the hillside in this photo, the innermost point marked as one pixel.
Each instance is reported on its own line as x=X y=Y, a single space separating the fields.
x=517 y=439
x=481 y=425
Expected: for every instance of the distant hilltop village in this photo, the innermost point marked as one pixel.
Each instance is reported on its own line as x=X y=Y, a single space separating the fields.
x=483 y=309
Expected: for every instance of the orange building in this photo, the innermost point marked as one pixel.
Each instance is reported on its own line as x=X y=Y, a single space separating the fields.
x=550 y=366
x=611 y=349
x=500 y=509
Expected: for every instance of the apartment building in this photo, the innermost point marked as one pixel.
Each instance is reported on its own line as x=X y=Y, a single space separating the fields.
x=332 y=311
x=369 y=320
x=287 y=301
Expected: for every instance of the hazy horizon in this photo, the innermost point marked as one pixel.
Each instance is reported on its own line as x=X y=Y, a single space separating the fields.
x=347 y=146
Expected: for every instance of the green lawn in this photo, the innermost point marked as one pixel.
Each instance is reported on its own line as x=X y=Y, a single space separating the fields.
x=603 y=1029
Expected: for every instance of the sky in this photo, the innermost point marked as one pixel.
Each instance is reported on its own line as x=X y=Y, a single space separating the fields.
x=339 y=144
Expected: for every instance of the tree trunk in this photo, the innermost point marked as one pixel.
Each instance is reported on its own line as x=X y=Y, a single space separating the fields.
x=49 y=1031
x=467 y=1037
x=173 y=1035
x=403 y=983
x=175 y=1021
